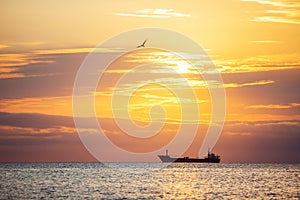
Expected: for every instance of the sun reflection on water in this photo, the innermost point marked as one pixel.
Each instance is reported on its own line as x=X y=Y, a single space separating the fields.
x=177 y=181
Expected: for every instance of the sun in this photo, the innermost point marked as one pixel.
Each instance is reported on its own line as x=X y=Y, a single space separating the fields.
x=182 y=68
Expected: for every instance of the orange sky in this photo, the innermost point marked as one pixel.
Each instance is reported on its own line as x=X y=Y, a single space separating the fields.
x=254 y=44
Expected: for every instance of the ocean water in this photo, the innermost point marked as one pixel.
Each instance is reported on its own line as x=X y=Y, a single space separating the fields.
x=135 y=181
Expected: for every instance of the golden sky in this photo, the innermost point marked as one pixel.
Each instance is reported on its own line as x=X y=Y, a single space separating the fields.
x=254 y=44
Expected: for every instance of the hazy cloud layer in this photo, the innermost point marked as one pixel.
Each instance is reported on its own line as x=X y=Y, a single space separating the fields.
x=36 y=137
x=251 y=84
x=278 y=11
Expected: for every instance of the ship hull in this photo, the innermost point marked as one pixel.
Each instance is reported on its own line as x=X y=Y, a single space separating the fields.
x=164 y=158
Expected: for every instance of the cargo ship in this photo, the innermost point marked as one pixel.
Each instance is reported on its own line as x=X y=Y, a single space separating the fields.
x=210 y=158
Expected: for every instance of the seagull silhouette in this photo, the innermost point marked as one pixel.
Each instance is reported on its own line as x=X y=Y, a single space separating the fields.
x=142 y=45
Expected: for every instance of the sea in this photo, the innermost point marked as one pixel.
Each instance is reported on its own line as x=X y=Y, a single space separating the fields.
x=149 y=181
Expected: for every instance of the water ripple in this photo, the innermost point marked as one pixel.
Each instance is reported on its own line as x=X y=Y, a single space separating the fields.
x=177 y=181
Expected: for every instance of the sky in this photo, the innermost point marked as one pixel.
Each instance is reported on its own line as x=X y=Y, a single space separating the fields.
x=254 y=44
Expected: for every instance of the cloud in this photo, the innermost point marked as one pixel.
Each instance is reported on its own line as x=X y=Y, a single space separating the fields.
x=2 y=46
x=238 y=133
x=63 y=51
x=275 y=106
x=275 y=19
x=30 y=126
x=171 y=62
x=235 y=85
x=154 y=13
x=15 y=131
x=265 y=128
x=261 y=63
x=278 y=11
x=14 y=60
x=20 y=47
x=18 y=65
x=277 y=3
x=29 y=137
x=11 y=65
x=34 y=120
x=76 y=50
x=41 y=63
x=36 y=137
x=260 y=141
x=182 y=84
x=264 y=41
x=263 y=122
x=38 y=105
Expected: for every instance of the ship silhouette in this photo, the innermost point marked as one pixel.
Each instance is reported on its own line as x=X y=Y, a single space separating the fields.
x=210 y=158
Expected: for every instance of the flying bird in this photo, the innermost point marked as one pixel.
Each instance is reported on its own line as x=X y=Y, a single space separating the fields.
x=142 y=45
